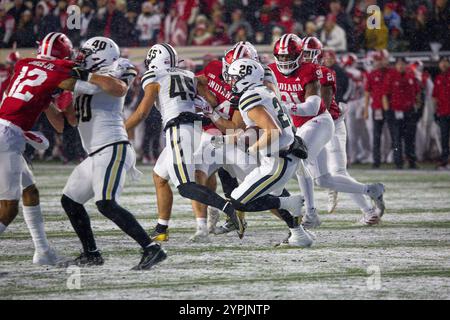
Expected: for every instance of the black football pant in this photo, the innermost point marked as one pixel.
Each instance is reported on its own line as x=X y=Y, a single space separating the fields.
x=403 y=132
x=444 y=125
x=377 y=132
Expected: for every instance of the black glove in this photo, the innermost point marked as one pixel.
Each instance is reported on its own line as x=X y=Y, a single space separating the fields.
x=234 y=102
x=56 y=93
x=80 y=73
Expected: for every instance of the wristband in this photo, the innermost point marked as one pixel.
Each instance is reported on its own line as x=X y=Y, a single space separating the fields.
x=215 y=116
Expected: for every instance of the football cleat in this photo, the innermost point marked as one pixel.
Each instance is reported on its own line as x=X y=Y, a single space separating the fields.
x=213 y=219
x=228 y=226
x=87 y=259
x=47 y=258
x=311 y=234
x=298 y=238
x=200 y=236
x=151 y=255
x=375 y=192
x=370 y=217
x=311 y=220
x=285 y=241
x=160 y=236
x=332 y=200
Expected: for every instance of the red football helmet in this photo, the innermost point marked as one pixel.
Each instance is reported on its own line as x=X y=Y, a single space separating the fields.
x=13 y=57
x=55 y=45
x=287 y=52
x=240 y=50
x=312 y=50
x=349 y=60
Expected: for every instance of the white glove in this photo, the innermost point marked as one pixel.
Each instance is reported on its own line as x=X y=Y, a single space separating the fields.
x=291 y=107
x=37 y=140
x=202 y=104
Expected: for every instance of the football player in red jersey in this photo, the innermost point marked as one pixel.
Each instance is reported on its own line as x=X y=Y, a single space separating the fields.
x=336 y=147
x=30 y=92
x=299 y=83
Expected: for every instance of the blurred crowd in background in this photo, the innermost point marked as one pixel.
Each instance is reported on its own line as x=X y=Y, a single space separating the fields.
x=339 y=24
x=415 y=128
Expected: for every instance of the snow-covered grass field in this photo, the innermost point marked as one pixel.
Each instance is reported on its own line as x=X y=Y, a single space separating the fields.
x=406 y=257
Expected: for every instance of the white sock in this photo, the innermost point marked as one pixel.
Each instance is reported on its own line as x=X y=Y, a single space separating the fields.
x=361 y=201
x=2 y=228
x=201 y=223
x=307 y=186
x=163 y=222
x=35 y=223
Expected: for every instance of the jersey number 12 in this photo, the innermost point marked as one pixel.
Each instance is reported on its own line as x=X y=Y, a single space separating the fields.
x=23 y=79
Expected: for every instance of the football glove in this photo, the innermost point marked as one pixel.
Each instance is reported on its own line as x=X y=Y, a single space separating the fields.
x=80 y=74
x=37 y=140
x=203 y=105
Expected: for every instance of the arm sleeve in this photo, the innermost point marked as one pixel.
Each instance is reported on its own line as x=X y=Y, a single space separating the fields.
x=129 y=75
x=309 y=108
x=84 y=87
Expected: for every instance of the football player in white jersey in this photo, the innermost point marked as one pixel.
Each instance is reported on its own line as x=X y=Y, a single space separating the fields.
x=278 y=149
x=230 y=173
x=173 y=91
x=102 y=174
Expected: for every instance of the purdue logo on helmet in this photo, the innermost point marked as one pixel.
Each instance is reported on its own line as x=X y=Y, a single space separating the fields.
x=55 y=45
x=98 y=52
x=161 y=56
x=287 y=52
x=244 y=73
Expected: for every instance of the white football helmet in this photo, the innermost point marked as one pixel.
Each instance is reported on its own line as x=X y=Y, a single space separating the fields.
x=161 y=56
x=245 y=73
x=98 y=52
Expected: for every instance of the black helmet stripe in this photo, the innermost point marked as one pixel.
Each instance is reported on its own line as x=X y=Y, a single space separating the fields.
x=171 y=53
